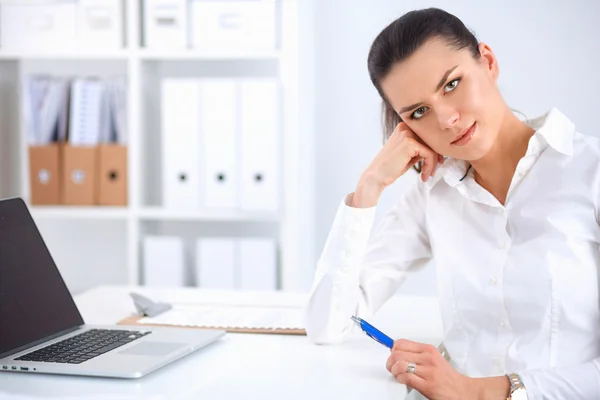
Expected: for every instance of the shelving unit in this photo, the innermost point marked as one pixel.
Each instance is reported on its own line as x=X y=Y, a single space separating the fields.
x=106 y=55
x=83 y=213
x=102 y=245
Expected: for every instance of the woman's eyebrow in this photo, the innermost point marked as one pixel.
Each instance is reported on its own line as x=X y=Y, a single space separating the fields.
x=438 y=87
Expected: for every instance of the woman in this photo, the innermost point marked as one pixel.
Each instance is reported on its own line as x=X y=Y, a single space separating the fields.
x=508 y=210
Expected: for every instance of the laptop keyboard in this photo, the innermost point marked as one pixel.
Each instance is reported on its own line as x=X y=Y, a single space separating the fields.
x=83 y=347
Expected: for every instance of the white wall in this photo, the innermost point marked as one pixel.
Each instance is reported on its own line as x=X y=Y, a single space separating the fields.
x=548 y=53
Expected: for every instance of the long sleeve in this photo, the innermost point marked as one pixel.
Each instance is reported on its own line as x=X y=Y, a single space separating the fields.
x=357 y=272
x=580 y=382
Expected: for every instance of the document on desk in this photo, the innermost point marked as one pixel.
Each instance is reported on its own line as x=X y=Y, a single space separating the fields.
x=231 y=317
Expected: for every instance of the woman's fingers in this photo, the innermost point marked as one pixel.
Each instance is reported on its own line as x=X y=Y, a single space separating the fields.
x=434 y=169
x=430 y=160
x=400 y=367
x=413 y=347
x=417 y=358
x=413 y=381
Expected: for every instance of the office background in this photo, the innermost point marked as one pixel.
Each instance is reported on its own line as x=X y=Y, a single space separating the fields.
x=548 y=55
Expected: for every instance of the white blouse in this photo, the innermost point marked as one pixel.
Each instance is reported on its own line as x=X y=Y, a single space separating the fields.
x=518 y=284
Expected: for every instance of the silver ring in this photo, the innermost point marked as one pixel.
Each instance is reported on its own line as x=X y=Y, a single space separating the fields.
x=411 y=368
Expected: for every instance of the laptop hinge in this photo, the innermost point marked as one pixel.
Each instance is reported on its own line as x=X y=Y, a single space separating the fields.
x=38 y=342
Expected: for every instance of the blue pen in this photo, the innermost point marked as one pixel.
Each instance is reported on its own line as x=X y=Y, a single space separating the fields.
x=373 y=332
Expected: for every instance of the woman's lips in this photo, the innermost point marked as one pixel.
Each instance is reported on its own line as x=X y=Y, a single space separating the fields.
x=466 y=138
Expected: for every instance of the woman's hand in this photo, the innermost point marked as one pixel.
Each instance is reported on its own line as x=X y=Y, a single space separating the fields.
x=434 y=377
x=401 y=152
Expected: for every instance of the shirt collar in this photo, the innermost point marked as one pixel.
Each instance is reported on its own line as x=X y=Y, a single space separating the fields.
x=454 y=171
x=554 y=127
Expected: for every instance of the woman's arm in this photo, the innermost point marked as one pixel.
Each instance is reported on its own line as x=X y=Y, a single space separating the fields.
x=357 y=273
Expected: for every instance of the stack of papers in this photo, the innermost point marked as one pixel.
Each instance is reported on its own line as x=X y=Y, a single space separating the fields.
x=96 y=110
x=46 y=105
x=231 y=316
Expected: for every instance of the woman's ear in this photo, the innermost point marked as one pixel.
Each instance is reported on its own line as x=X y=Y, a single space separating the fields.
x=489 y=60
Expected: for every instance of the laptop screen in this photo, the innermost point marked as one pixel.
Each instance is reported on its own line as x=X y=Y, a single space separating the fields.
x=34 y=301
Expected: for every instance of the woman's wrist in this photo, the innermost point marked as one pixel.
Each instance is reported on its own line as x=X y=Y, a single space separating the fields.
x=367 y=193
x=494 y=388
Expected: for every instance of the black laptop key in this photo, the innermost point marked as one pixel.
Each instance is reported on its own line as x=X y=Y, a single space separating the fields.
x=84 y=346
x=110 y=347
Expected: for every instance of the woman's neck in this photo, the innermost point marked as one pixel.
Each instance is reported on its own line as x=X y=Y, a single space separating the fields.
x=495 y=171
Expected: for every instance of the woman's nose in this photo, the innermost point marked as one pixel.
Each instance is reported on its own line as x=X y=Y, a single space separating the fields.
x=447 y=117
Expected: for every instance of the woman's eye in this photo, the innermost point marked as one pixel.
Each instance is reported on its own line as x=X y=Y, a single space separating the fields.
x=418 y=113
x=451 y=85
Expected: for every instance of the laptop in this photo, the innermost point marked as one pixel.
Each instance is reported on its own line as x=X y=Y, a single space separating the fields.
x=42 y=331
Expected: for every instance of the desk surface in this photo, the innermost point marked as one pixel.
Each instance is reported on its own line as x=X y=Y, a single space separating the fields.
x=244 y=366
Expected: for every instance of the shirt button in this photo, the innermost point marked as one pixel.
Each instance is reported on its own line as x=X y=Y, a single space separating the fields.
x=503 y=324
x=503 y=244
x=494 y=281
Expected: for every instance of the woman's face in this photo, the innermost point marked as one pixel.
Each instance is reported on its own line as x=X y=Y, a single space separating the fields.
x=448 y=98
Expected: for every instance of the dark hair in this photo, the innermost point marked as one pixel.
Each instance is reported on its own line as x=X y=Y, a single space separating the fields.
x=400 y=39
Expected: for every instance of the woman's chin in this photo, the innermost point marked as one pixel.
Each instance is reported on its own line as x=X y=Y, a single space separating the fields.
x=472 y=153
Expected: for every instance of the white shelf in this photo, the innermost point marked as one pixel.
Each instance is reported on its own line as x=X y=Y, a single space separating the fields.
x=66 y=55
x=142 y=54
x=159 y=214
x=194 y=54
x=119 y=238
x=80 y=212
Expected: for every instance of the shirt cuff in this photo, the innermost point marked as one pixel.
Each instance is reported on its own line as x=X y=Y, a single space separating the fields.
x=577 y=382
x=348 y=238
x=355 y=222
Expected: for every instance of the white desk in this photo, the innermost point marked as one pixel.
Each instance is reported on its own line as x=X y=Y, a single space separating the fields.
x=245 y=366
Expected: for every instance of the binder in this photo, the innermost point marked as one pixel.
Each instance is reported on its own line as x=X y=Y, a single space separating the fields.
x=79 y=175
x=163 y=261
x=45 y=103
x=79 y=154
x=112 y=152
x=112 y=175
x=86 y=116
x=100 y=24
x=165 y=24
x=257 y=264
x=218 y=124
x=44 y=174
x=259 y=145
x=180 y=144
x=216 y=263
